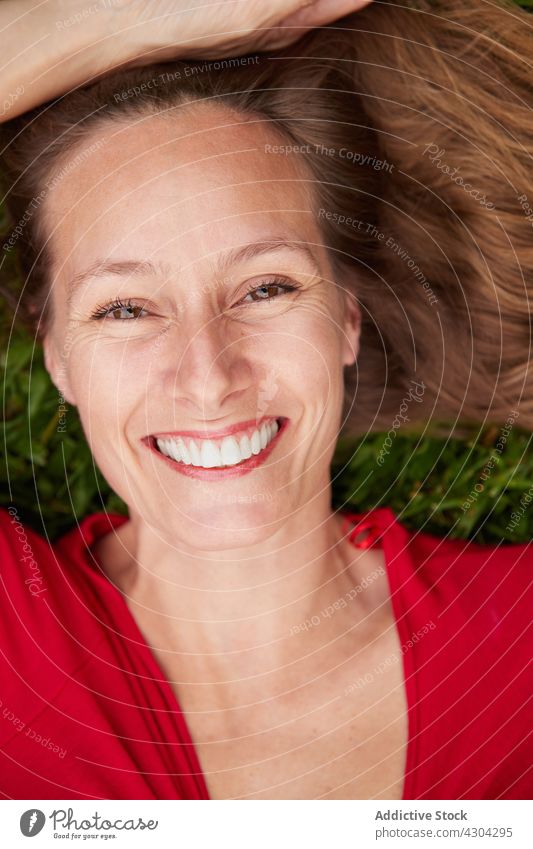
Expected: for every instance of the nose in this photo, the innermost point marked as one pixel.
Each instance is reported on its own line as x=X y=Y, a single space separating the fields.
x=212 y=370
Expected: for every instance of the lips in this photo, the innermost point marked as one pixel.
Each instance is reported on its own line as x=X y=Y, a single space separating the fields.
x=230 y=451
x=221 y=432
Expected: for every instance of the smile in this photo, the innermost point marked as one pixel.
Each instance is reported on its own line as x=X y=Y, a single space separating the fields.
x=235 y=450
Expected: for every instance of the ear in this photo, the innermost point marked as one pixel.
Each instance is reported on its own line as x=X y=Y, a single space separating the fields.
x=55 y=366
x=351 y=328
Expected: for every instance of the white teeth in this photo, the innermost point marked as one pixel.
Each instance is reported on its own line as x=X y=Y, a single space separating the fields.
x=196 y=459
x=184 y=451
x=173 y=450
x=229 y=451
x=255 y=442
x=245 y=447
x=210 y=453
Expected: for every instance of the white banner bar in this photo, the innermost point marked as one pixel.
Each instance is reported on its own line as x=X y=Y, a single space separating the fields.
x=268 y=824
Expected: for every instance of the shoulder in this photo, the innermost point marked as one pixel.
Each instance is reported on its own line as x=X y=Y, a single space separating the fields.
x=53 y=608
x=29 y=668
x=504 y=568
x=462 y=572
x=34 y=581
x=22 y=552
x=480 y=593
x=437 y=554
x=48 y=591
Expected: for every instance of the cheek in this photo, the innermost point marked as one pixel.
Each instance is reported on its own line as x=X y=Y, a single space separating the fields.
x=108 y=386
x=108 y=379
x=313 y=353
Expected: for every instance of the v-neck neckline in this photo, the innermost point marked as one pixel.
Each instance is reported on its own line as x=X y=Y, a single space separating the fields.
x=385 y=531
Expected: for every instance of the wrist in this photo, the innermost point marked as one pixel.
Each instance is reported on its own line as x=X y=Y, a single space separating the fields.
x=89 y=37
x=53 y=46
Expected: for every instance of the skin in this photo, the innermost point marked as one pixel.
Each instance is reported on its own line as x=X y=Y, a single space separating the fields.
x=225 y=568
x=200 y=357
x=50 y=47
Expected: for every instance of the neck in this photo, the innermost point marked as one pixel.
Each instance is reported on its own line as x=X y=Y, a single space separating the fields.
x=275 y=596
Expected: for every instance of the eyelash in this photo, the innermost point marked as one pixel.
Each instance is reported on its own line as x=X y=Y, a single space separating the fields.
x=282 y=282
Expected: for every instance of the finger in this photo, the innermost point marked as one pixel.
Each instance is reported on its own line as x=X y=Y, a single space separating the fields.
x=322 y=12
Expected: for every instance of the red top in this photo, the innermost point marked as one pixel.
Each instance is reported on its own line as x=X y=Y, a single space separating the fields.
x=86 y=712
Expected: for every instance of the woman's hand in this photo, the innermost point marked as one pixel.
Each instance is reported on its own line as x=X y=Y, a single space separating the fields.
x=212 y=29
x=53 y=46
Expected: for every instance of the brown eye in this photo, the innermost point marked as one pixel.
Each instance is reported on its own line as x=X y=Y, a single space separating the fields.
x=118 y=310
x=264 y=292
x=126 y=312
x=269 y=291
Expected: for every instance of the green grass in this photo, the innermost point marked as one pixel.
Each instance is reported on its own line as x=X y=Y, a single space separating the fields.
x=461 y=488
x=51 y=478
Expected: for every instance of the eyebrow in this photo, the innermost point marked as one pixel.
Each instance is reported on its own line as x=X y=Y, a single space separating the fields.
x=144 y=268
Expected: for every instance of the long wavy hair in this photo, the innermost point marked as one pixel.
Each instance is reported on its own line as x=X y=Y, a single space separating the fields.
x=415 y=126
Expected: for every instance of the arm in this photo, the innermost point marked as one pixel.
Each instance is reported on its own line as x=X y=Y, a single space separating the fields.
x=45 y=51
x=53 y=46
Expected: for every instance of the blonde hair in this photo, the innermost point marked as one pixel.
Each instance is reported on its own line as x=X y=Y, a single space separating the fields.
x=416 y=128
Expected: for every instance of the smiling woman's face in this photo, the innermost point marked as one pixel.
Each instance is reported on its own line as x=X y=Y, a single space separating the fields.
x=192 y=294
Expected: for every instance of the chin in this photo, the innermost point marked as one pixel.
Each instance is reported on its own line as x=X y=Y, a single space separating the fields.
x=229 y=522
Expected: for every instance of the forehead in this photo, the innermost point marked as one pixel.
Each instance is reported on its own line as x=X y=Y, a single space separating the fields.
x=195 y=182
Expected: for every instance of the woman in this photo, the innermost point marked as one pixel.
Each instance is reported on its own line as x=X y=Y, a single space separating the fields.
x=221 y=270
